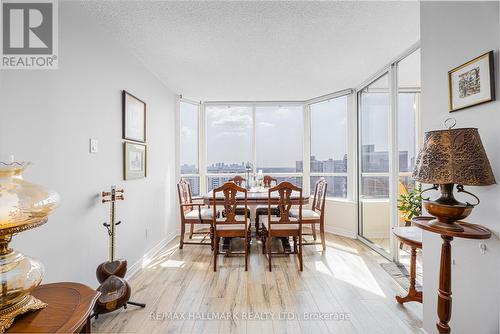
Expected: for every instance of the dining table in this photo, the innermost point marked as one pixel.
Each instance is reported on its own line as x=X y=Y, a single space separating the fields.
x=255 y=197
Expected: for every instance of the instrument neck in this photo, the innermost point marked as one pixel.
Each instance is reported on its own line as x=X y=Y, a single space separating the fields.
x=112 y=228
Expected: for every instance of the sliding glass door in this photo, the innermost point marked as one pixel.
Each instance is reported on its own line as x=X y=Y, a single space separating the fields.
x=374 y=205
x=388 y=109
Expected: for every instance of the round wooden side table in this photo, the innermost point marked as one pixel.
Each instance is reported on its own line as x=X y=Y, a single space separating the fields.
x=411 y=236
x=471 y=231
x=68 y=310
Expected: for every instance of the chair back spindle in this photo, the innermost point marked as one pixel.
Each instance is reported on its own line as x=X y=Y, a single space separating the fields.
x=268 y=180
x=284 y=191
x=319 y=195
x=185 y=197
x=238 y=180
x=230 y=191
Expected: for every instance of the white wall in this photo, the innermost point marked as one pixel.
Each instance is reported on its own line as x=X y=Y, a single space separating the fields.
x=48 y=117
x=376 y=219
x=451 y=34
x=340 y=218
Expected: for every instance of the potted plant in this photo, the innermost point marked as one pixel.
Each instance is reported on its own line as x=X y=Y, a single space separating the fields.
x=410 y=204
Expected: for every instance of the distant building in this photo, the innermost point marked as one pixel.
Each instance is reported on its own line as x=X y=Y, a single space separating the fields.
x=375 y=186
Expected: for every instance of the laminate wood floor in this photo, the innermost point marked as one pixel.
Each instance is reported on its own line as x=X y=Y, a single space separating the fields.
x=184 y=295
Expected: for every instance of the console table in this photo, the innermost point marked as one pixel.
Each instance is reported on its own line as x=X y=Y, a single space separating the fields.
x=68 y=310
x=471 y=231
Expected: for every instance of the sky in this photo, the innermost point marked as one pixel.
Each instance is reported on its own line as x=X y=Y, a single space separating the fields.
x=279 y=129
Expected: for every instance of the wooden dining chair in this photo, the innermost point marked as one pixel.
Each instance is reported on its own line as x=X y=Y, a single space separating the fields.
x=239 y=180
x=261 y=210
x=315 y=215
x=283 y=226
x=230 y=224
x=194 y=215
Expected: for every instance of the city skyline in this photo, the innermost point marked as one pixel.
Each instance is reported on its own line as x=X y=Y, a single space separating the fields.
x=372 y=161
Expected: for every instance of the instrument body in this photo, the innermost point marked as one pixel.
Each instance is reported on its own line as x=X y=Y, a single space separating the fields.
x=115 y=293
x=108 y=268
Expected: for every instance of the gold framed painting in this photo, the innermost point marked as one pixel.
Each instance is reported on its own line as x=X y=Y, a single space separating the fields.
x=134 y=118
x=134 y=161
x=472 y=83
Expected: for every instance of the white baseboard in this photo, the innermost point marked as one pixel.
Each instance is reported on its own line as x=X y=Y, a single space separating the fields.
x=341 y=231
x=149 y=255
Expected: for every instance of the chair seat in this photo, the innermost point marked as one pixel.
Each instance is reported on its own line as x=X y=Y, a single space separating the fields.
x=264 y=206
x=206 y=214
x=279 y=226
x=240 y=219
x=307 y=214
x=230 y=227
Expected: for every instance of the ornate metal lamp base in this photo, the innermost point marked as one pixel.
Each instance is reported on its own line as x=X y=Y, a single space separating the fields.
x=27 y=304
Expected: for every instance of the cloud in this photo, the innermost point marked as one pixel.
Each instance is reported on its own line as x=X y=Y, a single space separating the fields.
x=231 y=134
x=267 y=125
x=188 y=134
x=226 y=121
x=281 y=111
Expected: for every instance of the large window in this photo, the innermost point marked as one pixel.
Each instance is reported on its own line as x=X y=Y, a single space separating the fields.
x=229 y=140
x=279 y=138
x=267 y=138
x=329 y=145
x=189 y=136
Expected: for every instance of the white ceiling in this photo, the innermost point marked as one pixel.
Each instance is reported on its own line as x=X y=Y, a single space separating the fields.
x=260 y=50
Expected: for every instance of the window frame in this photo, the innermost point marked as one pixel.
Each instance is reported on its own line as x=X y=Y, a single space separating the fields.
x=253 y=161
x=204 y=175
x=188 y=175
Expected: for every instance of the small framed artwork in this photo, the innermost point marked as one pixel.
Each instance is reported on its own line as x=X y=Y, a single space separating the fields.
x=134 y=118
x=134 y=161
x=472 y=83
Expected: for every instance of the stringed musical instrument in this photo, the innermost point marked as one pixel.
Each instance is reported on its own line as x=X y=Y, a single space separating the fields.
x=113 y=266
x=115 y=291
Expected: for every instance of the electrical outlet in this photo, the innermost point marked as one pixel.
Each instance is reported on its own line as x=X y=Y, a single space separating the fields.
x=482 y=248
x=94 y=145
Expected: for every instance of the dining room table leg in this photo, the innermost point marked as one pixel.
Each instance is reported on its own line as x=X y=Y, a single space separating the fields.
x=226 y=242
x=286 y=245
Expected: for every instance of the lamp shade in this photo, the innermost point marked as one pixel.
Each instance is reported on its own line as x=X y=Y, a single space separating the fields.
x=453 y=156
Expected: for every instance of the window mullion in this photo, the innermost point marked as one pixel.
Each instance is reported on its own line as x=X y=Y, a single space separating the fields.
x=306 y=165
x=202 y=148
x=254 y=140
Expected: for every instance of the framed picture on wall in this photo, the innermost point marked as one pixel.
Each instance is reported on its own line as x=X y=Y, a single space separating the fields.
x=134 y=118
x=472 y=83
x=134 y=161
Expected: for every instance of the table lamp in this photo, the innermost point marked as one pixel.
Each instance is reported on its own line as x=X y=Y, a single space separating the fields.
x=449 y=157
x=23 y=206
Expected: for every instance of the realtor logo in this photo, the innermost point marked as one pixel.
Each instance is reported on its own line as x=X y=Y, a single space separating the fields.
x=29 y=34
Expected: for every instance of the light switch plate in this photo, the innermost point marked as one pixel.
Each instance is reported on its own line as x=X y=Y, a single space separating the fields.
x=94 y=145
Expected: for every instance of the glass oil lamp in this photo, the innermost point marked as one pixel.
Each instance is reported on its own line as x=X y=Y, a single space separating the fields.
x=23 y=206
